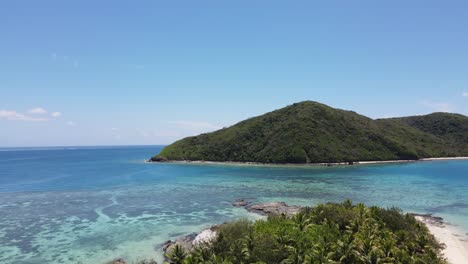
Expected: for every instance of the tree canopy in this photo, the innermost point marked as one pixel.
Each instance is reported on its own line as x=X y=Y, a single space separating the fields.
x=328 y=233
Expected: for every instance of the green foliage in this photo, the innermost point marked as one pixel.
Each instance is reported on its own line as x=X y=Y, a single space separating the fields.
x=146 y=261
x=310 y=132
x=452 y=128
x=327 y=233
x=177 y=255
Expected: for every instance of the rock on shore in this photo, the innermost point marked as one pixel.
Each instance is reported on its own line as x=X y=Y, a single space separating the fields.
x=190 y=241
x=275 y=208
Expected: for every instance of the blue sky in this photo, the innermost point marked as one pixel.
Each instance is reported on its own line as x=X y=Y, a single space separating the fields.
x=151 y=72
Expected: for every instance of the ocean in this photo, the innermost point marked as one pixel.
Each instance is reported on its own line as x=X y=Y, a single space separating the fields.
x=94 y=204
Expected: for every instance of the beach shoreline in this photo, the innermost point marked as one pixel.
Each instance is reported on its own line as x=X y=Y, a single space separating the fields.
x=322 y=164
x=455 y=246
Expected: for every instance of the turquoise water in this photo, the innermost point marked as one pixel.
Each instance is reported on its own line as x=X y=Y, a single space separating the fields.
x=90 y=205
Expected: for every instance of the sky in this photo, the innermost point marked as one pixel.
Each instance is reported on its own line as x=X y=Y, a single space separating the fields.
x=87 y=72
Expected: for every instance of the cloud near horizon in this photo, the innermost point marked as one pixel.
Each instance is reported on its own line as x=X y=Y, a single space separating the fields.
x=56 y=114
x=37 y=114
x=15 y=116
x=38 y=111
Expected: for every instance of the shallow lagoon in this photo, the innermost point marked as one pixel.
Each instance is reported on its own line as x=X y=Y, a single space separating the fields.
x=90 y=205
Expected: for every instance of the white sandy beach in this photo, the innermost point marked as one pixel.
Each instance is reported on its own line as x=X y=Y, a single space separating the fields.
x=450 y=158
x=240 y=163
x=456 y=250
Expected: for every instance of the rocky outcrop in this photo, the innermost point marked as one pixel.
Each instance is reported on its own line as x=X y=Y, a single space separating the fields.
x=185 y=242
x=275 y=208
x=272 y=208
x=205 y=236
x=157 y=159
x=190 y=241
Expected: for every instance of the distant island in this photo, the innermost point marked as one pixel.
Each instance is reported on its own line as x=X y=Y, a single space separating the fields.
x=311 y=132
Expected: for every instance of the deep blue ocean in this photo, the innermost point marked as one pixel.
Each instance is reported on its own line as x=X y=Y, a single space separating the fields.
x=94 y=204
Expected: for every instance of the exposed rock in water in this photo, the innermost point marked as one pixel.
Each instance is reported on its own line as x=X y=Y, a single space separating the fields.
x=241 y=203
x=275 y=208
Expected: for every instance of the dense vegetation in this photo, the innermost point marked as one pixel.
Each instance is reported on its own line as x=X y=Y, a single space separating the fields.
x=452 y=128
x=329 y=233
x=310 y=132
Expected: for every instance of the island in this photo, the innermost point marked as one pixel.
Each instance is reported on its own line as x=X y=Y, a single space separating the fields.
x=311 y=132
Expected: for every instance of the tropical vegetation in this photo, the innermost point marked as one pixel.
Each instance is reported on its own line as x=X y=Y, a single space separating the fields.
x=328 y=233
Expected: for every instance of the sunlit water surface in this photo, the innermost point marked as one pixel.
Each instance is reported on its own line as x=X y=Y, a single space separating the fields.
x=91 y=205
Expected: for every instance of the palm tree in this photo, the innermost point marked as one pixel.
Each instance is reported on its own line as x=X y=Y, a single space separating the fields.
x=320 y=253
x=219 y=260
x=177 y=255
x=283 y=238
x=302 y=221
x=345 y=250
x=388 y=246
x=202 y=254
x=296 y=256
x=191 y=260
x=248 y=246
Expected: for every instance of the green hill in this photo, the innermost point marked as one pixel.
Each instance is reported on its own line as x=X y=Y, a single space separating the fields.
x=452 y=128
x=310 y=132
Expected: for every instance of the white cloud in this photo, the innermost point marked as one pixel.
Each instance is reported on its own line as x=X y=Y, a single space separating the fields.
x=71 y=123
x=56 y=114
x=13 y=115
x=38 y=110
x=465 y=94
x=194 y=125
x=439 y=106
